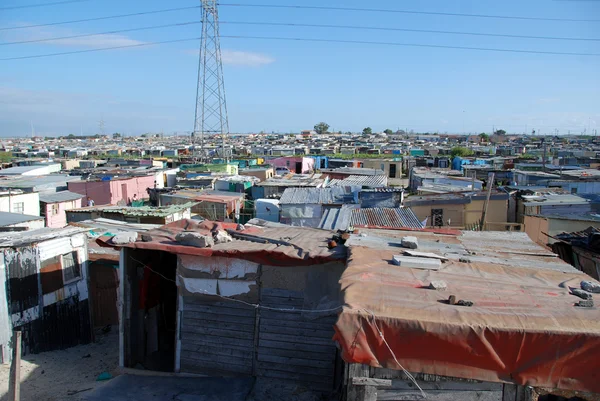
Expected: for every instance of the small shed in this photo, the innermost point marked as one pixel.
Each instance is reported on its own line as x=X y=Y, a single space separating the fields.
x=20 y=222
x=44 y=283
x=142 y=215
x=54 y=205
x=261 y=304
x=304 y=207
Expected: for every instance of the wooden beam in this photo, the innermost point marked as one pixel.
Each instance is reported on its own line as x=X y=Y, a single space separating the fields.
x=367 y=381
x=14 y=384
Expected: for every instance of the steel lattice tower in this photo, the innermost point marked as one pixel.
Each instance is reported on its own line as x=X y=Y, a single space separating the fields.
x=211 y=107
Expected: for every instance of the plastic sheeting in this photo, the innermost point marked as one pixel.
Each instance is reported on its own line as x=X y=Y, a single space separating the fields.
x=523 y=328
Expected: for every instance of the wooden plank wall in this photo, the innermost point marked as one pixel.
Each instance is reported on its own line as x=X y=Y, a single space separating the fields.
x=217 y=337
x=437 y=388
x=292 y=346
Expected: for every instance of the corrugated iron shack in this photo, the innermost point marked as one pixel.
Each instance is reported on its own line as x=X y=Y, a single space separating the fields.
x=195 y=310
x=46 y=289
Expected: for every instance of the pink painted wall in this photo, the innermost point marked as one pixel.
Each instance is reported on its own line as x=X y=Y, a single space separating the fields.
x=308 y=163
x=60 y=220
x=113 y=192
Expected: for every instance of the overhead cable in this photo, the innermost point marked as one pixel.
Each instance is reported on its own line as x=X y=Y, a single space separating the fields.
x=316 y=41
x=56 y=3
x=9 y=28
x=291 y=24
x=379 y=10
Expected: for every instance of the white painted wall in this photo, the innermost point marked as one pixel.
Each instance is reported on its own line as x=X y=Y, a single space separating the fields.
x=5 y=324
x=31 y=203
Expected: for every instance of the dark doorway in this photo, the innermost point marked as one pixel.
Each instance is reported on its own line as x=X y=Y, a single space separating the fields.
x=392 y=171
x=151 y=328
x=298 y=167
x=437 y=217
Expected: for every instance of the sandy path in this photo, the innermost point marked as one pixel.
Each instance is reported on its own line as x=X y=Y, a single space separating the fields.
x=53 y=376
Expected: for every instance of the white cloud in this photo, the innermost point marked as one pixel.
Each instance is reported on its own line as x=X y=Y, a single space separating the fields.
x=241 y=58
x=245 y=59
x=86 y=42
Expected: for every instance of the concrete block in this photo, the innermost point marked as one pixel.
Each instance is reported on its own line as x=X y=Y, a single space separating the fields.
x=590 y=286
x=124 y=238
x=417 y=263
x=410 y=242
x=223 y=237
x=194 y=239
x=580 y=293
x=438 y=285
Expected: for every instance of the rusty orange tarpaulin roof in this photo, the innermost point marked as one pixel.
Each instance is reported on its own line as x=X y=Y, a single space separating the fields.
x=277 y=246
x=523 y=327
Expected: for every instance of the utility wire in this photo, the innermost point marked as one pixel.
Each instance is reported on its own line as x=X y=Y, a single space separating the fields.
x=298 y=25
x=378 y=10
x=500 y=35
x=99 y=50
x=56 y=3
x=100 y=33
x=311 y=40
x=99 y=18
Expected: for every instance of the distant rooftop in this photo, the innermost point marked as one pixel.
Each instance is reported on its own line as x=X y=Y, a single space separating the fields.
x=56 y=197
x=10 y=219
x=143 y=211
x=24 y=238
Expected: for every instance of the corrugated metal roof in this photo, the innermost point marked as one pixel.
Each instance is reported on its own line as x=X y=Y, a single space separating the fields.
x=320 y=196
x=24 y=238
x=335 y=219
x=145 y=211
x=371 y=181
x=354 y=171
x=63 y=196
x=385 y=217
x=9 y=219
x=39 y=182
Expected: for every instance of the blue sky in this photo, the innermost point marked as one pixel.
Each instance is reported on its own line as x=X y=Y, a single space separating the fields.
x=286 y=86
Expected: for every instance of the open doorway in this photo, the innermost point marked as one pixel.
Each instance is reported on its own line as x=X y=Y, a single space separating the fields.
x=151 y=299
x=298 y=167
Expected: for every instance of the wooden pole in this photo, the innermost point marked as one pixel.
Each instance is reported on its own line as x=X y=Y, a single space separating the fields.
x=487 y=202
x=14 y=384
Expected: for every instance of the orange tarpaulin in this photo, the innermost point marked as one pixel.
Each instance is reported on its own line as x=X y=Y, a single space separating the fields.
x=523 y=328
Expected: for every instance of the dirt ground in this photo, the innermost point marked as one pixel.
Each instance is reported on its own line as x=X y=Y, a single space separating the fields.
x=65 y=375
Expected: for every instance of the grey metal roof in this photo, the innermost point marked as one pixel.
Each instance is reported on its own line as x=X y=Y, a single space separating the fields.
x=9 y=219
x=385 y=217
x=337 y=218
x=322 y=196
x=41 y=183
x=21 y=169
x=554 y=199
x=23 y=238
x=354 y=171
x=144 y=211
x=63 y=196
x=370 y=181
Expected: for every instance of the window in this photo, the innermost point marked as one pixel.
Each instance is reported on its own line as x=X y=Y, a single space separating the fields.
x=18 y=207
x=54 y=209
x=437 y=217
x=574 y=190
x=70 y=267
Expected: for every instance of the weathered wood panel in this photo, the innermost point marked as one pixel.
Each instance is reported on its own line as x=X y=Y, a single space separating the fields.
x=293 y=345
x=216 y=337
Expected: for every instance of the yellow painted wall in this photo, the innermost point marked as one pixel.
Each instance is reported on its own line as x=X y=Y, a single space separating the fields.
x=465 y=214
x=376 y=164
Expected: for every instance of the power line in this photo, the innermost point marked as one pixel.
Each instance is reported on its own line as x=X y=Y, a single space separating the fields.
x=298 y=25
x=99 y=33
x=408 y=30
x=395 y=44
x=98 y=50
x=99 y=18
x=413 y=45
x=378 y=10
x=56 y=3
